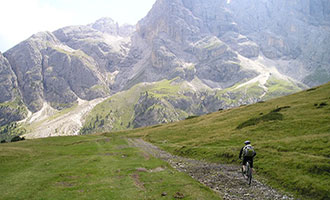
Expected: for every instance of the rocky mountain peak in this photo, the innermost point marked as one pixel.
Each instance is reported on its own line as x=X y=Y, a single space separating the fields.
x=109 y=26
x=170 y=19
x=45 y=37
x=106 y=25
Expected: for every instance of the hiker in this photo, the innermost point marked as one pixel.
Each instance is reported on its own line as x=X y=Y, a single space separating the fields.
x=248 y=154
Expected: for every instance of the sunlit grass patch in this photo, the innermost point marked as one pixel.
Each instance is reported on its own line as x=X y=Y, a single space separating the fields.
x=89 y=167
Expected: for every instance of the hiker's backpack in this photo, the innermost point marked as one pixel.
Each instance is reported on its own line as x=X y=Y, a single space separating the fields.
x=248 y=151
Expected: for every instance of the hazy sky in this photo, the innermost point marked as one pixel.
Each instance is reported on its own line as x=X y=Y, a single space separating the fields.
x=22 y=18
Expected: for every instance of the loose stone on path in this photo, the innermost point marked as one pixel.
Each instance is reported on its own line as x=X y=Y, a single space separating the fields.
x=227 y=180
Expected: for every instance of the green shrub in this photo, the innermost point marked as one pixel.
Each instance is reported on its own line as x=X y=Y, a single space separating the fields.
x=192 y=117
x=272 y=116
x=321 y=105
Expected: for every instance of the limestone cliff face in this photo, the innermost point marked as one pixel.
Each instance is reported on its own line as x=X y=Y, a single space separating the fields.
x=8 y=80
x=49 y=71
x=11 y=105
x=70 y=63
x=172 y=20
x=295 y=31
x=26 y=61
x=213 y=33
x=176 y=42
x=107 y=48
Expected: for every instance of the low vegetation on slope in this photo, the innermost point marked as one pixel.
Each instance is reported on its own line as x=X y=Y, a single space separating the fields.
x=90 y=167
x=291 y=136
x=126 y=110
x=166 y=101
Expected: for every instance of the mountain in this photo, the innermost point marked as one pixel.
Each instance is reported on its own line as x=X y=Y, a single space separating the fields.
x=196 y=56
x=217 y=37
x=66 y=65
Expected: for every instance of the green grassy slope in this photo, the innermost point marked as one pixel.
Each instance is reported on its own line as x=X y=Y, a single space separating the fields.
x=173 y=100
x=10 y=112
x=117 y=112
x=89 y=167
x=291 y=135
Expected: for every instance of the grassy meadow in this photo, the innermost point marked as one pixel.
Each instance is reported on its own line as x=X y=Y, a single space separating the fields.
x=89 y=167
x=290 y=134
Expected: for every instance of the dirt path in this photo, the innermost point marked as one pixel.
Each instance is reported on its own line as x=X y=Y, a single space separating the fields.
x=224 y=179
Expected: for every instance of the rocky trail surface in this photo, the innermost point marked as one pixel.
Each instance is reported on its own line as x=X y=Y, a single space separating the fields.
x=224 y=179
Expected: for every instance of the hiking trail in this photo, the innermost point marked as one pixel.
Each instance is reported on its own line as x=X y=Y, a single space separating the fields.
x=225 y=179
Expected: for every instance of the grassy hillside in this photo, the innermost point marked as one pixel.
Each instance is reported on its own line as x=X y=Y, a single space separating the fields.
x=291 y=136
x=118 y=112
x=115 y=113
x=89 y=167
x=174 y=100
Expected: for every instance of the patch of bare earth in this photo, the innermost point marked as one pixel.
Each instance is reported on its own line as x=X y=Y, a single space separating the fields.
x=226 y=180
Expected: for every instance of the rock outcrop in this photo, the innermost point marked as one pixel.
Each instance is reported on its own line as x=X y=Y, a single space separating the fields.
x=8 y=81
x=11 y=106
x=109 y=26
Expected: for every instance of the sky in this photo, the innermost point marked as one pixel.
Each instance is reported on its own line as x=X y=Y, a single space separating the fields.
x=19 y=19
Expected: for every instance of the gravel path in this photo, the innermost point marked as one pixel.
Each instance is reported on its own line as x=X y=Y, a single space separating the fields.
x=224 y=179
